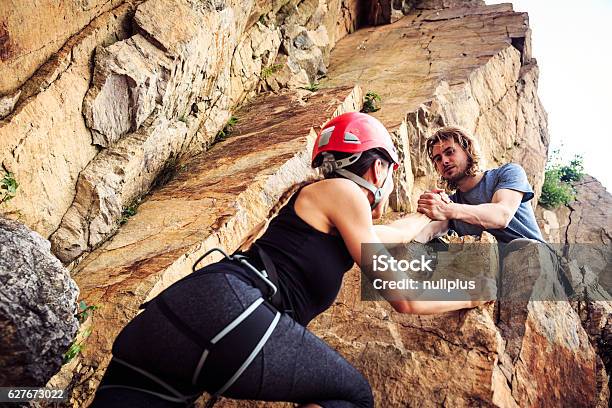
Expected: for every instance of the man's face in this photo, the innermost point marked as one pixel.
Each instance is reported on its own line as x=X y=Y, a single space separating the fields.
x=450 y=160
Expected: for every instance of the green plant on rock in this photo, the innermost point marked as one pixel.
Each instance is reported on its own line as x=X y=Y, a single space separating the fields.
x=85 y=311
x=557 y=189
x=371 y=102
x=312 y=87
x=267 y=72
x=227 y=129
x=76 y=347
x=128 y=212
x=263 y=20
x=574 y=171
x=8 y=186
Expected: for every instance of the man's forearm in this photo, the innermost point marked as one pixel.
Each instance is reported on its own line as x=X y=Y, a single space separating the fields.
x=488 y=216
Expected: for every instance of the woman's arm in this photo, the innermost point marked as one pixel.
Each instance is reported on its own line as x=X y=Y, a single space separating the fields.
x=403 y=230
x=352 y=216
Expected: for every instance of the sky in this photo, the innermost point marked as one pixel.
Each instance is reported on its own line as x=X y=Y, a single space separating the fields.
x=572 y=42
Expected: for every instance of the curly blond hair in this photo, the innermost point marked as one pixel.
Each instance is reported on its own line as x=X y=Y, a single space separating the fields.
x=463 y=139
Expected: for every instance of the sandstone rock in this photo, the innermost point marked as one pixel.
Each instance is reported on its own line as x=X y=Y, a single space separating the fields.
x=214 y=201
x=253 y=60
x=427 y=79
x=37 y=307
x=112 y=181
x=7 y=103
x=403 y=179
x=439 y=4
x=540 y=325
x=166 y=68
x=583 y=228
x=582 y=232
x=588 y=225
x=130 y=78
x=31 y=33
x=45 y=142
x=461 y=357
x=342 y=17
x=548 y=223
x=388 y=11
x=200 y=38
x=302 y=41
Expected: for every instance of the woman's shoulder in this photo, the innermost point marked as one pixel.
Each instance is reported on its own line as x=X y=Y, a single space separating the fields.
x=332 y=186
x=334 y=195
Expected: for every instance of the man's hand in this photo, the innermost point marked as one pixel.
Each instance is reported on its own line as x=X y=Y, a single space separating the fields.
x=435 y=204
x=442 y=194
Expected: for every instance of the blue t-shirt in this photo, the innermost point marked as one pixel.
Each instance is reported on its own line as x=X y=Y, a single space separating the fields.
x=510 y=176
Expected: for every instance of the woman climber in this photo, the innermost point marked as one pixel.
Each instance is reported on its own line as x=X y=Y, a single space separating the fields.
x=237 y=328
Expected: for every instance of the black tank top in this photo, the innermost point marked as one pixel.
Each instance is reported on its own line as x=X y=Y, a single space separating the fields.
x=310 y=263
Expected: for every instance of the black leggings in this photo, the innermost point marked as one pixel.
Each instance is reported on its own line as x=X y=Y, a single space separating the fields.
x=294 y=365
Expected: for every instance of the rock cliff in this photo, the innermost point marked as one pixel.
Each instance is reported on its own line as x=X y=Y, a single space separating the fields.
x=581 y=232
x=143 y=133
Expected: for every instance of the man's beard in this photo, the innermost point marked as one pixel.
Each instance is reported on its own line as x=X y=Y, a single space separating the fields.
x=453 y=181
x=457 y=178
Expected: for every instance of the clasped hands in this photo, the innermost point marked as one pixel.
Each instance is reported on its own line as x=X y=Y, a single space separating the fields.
x=435 y=204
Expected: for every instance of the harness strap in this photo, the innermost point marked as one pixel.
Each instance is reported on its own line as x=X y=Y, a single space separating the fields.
x=246 y=313
x=233 y=352
x=251 y=356
x=268 y=265
x=145 y=382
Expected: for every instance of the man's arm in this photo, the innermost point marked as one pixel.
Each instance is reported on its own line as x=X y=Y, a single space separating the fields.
x=494 y=215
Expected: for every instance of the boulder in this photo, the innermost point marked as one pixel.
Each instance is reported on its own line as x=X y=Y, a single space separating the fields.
x=37 y=307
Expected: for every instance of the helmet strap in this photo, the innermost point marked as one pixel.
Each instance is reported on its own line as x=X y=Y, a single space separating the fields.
x=333 y=165
x=377 y=192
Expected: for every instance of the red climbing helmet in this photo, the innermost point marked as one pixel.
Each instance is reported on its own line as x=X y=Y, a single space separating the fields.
x=353 y=132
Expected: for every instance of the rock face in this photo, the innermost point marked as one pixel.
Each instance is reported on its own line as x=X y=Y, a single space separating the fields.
x=37 y=307
x=582 y=231
x=467 y=66
x=214 y=201
x=132 y=93
x=511 y=355
x=156 y=63
x=32 y=33
x=586 y=221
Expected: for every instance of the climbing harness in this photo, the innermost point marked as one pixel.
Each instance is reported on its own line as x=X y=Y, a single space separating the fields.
x=245 y=336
